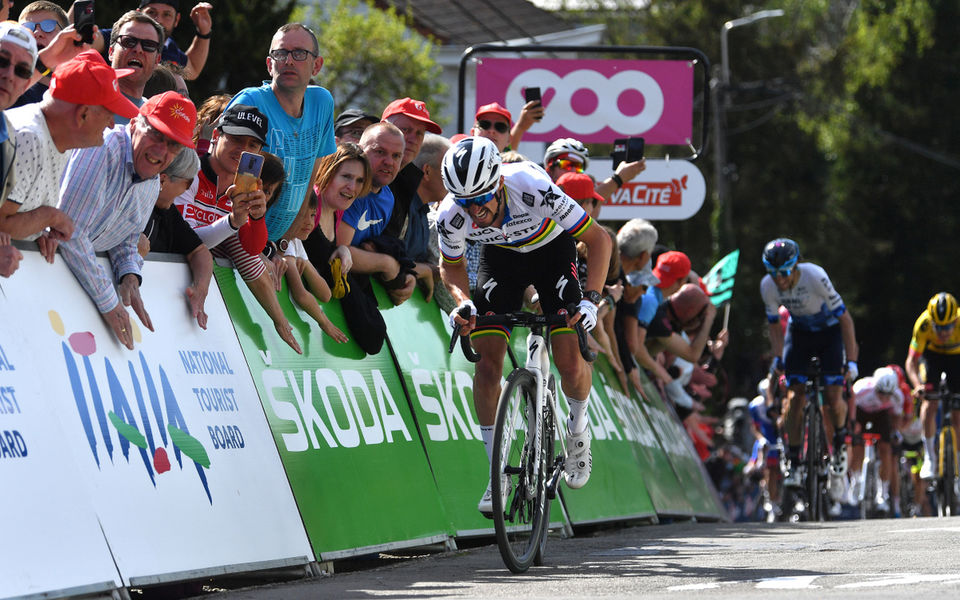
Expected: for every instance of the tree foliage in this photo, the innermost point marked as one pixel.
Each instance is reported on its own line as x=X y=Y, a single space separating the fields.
x=371 y=57
x=841 y=136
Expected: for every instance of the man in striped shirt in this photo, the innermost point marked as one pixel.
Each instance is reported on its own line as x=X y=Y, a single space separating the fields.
x=109 y=191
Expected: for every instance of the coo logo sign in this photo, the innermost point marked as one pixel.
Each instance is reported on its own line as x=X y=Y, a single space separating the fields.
x=588 y=116
x=596 y=101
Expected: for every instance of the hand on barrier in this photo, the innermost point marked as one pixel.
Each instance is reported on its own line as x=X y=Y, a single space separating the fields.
x=129 y=290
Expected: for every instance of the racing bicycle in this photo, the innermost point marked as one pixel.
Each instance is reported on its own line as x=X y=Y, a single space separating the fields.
x=815 y=455
x=526 y=468
x=945 y=484
x=869 y=474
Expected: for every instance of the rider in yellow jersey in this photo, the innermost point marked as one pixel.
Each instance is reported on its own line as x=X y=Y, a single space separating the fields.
x=936 y=339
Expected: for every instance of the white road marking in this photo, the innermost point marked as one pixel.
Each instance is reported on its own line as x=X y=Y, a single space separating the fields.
x=902 y=579
x=794 y=582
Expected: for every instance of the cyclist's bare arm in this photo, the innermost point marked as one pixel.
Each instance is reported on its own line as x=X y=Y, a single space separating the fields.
x=776 y=338
x=849 y=336
x=912 y=368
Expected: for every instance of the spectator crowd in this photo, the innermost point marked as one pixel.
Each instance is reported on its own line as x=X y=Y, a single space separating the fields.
x=103 y=150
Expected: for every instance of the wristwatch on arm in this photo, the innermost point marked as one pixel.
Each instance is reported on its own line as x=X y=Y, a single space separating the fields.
x=593 y=296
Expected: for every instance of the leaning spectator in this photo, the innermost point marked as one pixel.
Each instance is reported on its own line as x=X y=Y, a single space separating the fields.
x=413 y=120
x=109 y=191
x=366 y=219
x=429 y=193
x=166 y=231
x=307 y=288
x=45 y=19
x=167 y=14
x=162 y=80
x=81 y=103
x=343 y=177
x=230 y=222
x=135 y=45
x=493 y=122
x=300 y=115
x=350 y=124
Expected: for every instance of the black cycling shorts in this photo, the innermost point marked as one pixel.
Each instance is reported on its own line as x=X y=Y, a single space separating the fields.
x=935 y=363
x=505 y=274
x=881 y=421
x=800 y=346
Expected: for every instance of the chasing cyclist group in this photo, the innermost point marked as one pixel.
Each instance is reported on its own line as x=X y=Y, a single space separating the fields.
x=808 y=320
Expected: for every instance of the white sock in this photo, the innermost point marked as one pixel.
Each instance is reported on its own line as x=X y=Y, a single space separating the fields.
x=486 y=433
x=577 y=421
x=929 y=445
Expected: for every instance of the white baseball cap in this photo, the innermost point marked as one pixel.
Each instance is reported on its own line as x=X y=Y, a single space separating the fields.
x=14 y=33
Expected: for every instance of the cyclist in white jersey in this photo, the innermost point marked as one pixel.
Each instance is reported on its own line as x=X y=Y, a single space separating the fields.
x=526 y=226
x=819 y=325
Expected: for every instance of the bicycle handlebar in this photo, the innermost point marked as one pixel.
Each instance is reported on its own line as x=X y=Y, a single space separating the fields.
x=520 y=319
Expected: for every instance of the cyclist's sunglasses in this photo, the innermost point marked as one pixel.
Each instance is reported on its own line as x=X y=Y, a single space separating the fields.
x=944 y=328
x=500 y=126
x=46 y=25
x=781 y=272
x=130 y=42
x=569 y=165
x=476 y=200
x=21 y=70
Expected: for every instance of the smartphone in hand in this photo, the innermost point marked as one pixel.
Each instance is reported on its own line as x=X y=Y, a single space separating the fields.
x=83 y=20
x=627 y=150
x=532 y=94
x=248 y=172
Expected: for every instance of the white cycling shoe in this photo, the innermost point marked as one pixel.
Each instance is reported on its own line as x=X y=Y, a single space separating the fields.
x=485 y=506
x=881 y=503
x=926 y=470
x=579 y=460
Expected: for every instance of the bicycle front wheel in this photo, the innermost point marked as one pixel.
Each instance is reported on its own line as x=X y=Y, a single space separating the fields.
x=518 y=472
x=814 y=463
x=948 y=482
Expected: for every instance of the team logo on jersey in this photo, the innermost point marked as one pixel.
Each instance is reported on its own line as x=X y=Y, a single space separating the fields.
x=528 y=199
x=457 y=221
x=442 y=228
x=549 y=198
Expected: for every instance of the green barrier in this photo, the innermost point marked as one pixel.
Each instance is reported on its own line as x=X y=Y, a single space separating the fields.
x=683 y=458
x=344 y=429
x=616 y=490
x=665 y=490
x=440 y=388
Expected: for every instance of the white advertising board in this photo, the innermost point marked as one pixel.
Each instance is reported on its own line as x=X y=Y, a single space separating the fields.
x=52 y=541
x=170 y=440
x=667 y=190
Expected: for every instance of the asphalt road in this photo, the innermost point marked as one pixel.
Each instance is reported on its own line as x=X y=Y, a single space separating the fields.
x=846 y=559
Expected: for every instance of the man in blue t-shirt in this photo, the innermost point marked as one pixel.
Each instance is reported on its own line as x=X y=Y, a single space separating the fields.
x=367 y=217
x=300 y=116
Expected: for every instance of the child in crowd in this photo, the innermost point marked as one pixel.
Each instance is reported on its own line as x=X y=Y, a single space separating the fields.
x=300 y=270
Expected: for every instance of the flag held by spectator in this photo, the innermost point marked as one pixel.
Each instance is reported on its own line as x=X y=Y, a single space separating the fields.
x=719 y=280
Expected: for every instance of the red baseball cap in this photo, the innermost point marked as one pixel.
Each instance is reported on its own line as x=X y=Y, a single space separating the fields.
x=579 y=186
x=671 y=267
x=457 y=137
x=495 y=109
x=415 y=109
x=88 y=79
x=172 y=115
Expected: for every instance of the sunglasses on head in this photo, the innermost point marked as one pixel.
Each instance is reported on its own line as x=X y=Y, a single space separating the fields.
x=130 y=42
x=476 y=200
x=46 y=25
x=781 y=272
x=569 y=165
x=500 y=126
x=21 y=70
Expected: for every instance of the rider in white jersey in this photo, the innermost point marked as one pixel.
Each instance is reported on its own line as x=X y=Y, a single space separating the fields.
x=526 y=226
x=820 y=326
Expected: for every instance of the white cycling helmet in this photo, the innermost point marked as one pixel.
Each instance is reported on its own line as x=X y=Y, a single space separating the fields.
x=566 y=146
x=885 y=380
x=471 y=169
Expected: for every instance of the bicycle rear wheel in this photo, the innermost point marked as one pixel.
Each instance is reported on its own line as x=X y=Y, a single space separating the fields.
x=519 y=463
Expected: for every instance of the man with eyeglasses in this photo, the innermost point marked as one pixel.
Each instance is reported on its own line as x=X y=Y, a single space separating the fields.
x=80 y=105
x=45 y=19
x=135 y=45
x=936 y=339
x=300 y=116
x=109 y=191
x=820 y=325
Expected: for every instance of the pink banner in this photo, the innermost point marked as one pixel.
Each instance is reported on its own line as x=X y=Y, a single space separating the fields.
x=596 y=101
